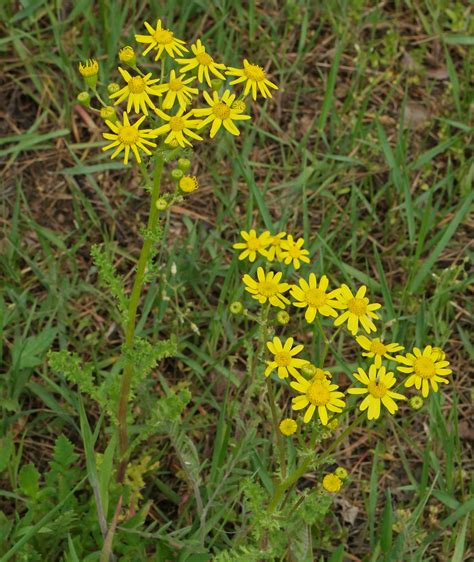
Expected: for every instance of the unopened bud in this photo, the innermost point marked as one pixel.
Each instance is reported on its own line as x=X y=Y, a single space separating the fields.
x=84 y=98
x=239 y=106
x=161 y=204
x=282 y=317
x=176 y=174
x=108 y=114
x=236 y=308
x=216 y=84
x=113 y=88
x=308 y=370
x=341 y=473
x=416 y=402
x=333 y=424
x=184 y=164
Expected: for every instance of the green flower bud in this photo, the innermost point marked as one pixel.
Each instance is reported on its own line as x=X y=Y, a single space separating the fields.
x=161 y=204
x=333 y=424
x=113 y=88
x=84 y=98
x=216 y=84
x=176 y=174
x=308 y=370
x=184 y=164
x=341 y=473
x=236 y=308
x=89 y=71
x=127 y=55
x=108 y=114
x=282 y=317
x=416 y=402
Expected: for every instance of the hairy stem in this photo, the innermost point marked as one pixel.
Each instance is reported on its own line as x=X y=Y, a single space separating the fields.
x=131 y=320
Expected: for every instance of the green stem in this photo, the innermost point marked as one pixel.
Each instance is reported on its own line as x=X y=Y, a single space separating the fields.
x=131 y=321
x=298 y=473
x=279 y=442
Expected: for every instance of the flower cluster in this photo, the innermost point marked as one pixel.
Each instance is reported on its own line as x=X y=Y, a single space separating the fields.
x=172 y=103
x=317 y=392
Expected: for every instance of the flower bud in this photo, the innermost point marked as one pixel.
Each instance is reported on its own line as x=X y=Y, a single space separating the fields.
x=161 y=204
x=113 y=88
x=216 y=84
x=333 y=424
x=282 y=317
x=440 y=354
x=173 y=143
x=89 y=71
x=308 y=370
x=188 y=184
x=341 y=473
x=184 y=164
x=84 y=98
x=416 y=402
x=176 y=174
x=236 y=308
x=239 y=105
x=127 y=55
x=108 y=114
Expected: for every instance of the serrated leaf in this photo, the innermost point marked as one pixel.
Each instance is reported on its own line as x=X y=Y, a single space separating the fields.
x=28 y=480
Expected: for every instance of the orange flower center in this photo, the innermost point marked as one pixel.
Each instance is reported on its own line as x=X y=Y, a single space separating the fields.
x=204 y=59
x=175 y=84
x=315 y=297
x=221 y=110
x=268 y=288
x=128 y=135
x=357 y=306
x=318 y=394
x=137 y=85
x=177 y=124
x=283 y=358
x=424 y=367
x=254 y=72
x=378 y=348
x=163 y=37
x=377 y=389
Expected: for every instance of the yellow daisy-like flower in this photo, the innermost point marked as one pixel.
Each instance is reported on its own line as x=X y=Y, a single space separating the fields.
x=129 y=137
x=138 y=91
x=203 y=62
x=178 y=126
x=220 y=113
x=317 y=393
x=162 y=40
x=288 y=426
x=284 y=359
x=267 y=287
x=315 y=298
x=188 y=184
x=178 y=89
x=424 y=368
x=293 y=251
x=252 y=244
x=359 y=310
x=89 y=71
x=274 y=247
x=255 y=77
x=378 y=384
x=375 y=348
x=332 y=483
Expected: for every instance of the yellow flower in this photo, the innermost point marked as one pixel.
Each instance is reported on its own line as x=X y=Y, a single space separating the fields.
x=288 y=426
x=375 y=348
x=204 y=63
x=284 y=359
x=89 y=71
x=332 y=483
x=341 y=473
x=220 y=113
x=358 y=310
x=441 y=355
x=268 y=287
x=292 y=251
x=424 y=368
x=378 y=384
x=254 y=76
x=317 y=393
x=178 y=126
x=188 y=184
x=252 y=244
x=128 y=137
x=274 y=250
x=162 y=40
x=138 y=91
x=315 y=298
x=177 y=88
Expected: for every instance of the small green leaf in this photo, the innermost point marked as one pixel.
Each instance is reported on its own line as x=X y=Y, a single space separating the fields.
x=6 y=451
x=28 y=480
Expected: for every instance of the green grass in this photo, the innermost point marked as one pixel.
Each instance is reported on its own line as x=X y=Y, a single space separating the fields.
x=329 y=158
